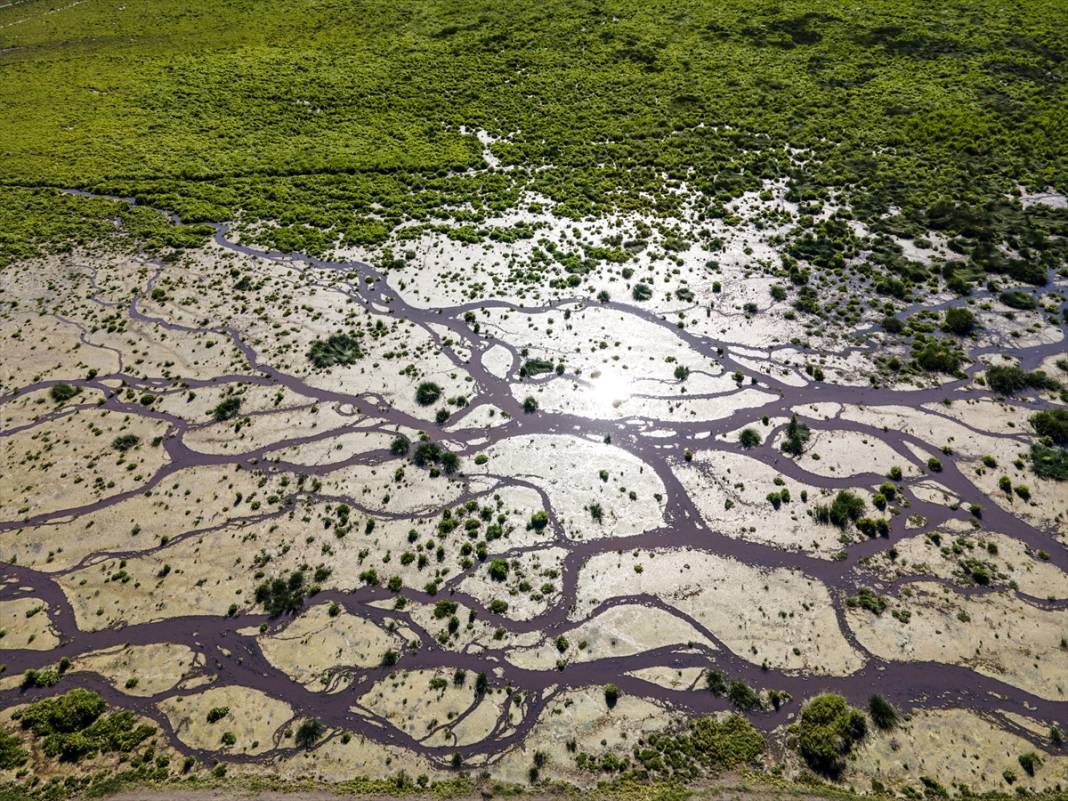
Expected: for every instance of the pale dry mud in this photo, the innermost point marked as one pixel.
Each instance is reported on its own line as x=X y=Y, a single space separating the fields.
x=956 y=746
x=618 y=533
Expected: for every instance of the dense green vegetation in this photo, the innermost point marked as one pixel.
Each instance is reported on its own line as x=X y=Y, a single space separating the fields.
x=827 y=731
x=73 y=726
x=335 y=121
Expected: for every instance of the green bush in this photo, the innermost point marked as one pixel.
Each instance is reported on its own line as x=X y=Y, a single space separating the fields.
x=281 y=596
x=12 y=754
x=797 y=434
x=1015 y=299
x=1052 y=424
x=63 y=392
x=826 y=732
x=498 y=569
x=959 y=321
x=749 y=438
x=309 y=732
x=74 y=725
x=227 y=409
x=611 y=695
x=1049 y=462
x=125 y=442
x=846 y=507
x=427 y=393
x=343 y=349
x=1008 y=380
x=535 y=367
x=882 y=712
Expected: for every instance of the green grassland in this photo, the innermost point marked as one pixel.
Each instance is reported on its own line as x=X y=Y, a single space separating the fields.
x=336 y=120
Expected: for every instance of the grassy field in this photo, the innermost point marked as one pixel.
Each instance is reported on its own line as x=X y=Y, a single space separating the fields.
x=334 y=121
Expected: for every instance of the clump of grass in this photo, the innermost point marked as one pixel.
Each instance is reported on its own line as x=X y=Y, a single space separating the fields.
x=340 y=348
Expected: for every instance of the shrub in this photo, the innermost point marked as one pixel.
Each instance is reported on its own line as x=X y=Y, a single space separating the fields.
x=892 y=325
x=882 y=712
x=846 y=507
x=797 y=434
x=1049 y=462
x=1015 y=299
x=427 y=453
x=70 y=712
x=336 y=349
x=427 y=393
x=743 y=696
x=749 y=438
x=400 y=445
x=530 y=404
x=536 y=367
x=217 y=713
x=63 y=392
x=498 y=569
x=227 y=409
x=539 y=520
x=938 y=357
x=309 y=732
x=725 y=744
x=1052 y=424
x=73 y=726
x=282 y=596
x=827 y=731
x=39 y=678
x=867 y=599
x=611 y=695
x=959 y=321
x=124 y=442
x=12 y=754
x=1008 y=380
x=1029 y=762
x=641 y=292
x=716 y=682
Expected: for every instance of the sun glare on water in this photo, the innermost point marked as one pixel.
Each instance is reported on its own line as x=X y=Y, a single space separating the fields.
x=608 y=390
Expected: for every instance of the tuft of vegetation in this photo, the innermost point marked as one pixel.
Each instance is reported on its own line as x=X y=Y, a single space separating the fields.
x=845 y=508
x=125 y=442
x=427 y=393
x=866 y=598
x=797 y=434
x=959 y=321
x=1008 y=380
x=12 y=754
x=611 y=695
x=882 y=712
x=309 y=732
x=826 y=732
x=340 y=348
x=1049 y=462
x=227 y=409
x=1052 y=424
x=749 y=438
x=282 y=596
x=434 y=455
x=61 y=393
